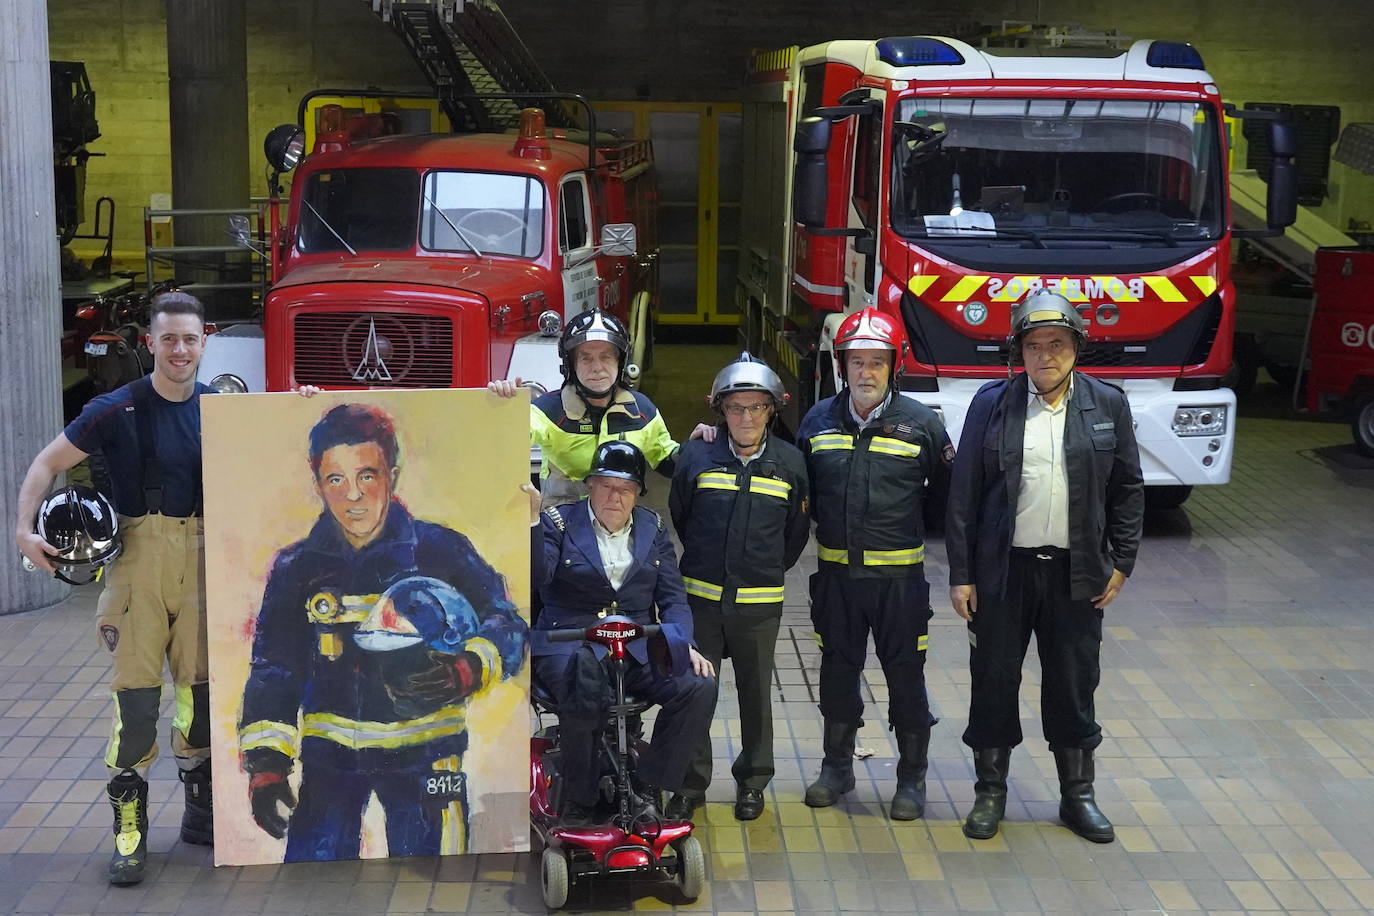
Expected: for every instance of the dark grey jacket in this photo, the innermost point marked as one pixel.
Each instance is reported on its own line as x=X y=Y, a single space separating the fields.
x=1106 y=492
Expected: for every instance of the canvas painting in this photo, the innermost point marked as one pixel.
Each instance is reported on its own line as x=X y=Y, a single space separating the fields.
x=367 y=576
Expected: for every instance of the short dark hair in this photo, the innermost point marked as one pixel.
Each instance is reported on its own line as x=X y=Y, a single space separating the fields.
x=175 y=302
x=353 y=424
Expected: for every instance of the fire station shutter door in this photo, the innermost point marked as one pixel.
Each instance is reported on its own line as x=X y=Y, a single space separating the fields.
x=677 y=154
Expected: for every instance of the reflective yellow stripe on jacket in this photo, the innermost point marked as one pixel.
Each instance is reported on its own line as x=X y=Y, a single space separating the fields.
x=888 y=446
x=909 y=556
x=354 y=734
x=828 y=441
x=767 y=486
x=761 y=594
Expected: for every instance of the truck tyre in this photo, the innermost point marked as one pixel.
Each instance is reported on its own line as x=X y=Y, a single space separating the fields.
x=1158 y=499
x=1362 y=425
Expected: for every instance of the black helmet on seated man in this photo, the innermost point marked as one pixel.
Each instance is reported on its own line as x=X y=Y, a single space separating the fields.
x=586 y=327
x=84 y=528
x=1043 y=309
x=621 y=460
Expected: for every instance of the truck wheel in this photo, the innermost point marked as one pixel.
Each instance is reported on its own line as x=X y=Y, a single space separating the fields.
x=1362 y=425
x=554 y=878
x=691 y=867
x=1160 y=498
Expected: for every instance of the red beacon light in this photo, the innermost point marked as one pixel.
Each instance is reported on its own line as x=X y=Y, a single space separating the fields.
x=331 y=136
x=533 y=141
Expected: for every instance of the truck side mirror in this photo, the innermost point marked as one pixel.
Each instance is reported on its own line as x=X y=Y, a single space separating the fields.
x=618 y=240
x=809 y=178
x=1282 y=204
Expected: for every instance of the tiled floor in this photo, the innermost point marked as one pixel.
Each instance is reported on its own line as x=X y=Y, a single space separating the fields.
x=1237 y=697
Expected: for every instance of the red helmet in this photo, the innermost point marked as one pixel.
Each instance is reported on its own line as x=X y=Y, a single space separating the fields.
x=869 y=329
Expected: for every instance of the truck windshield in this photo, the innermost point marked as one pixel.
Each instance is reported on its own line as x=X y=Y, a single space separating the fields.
x=1041 y=170
x=370 y=209
x=499 y=214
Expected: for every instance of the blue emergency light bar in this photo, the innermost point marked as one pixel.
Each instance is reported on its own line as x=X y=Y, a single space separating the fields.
x=917 y=51
x=1174 y=54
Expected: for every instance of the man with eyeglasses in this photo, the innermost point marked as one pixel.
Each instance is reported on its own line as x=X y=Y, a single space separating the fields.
x=1045 y=514
x=738 y=503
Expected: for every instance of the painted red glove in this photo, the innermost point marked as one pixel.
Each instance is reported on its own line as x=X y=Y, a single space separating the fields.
x=265 y=792
x=449 y=678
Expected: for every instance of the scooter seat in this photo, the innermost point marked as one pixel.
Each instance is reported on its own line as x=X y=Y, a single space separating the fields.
x=544 y=700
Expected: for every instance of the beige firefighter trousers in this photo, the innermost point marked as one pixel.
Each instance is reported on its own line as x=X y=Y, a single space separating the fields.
x=153 y=608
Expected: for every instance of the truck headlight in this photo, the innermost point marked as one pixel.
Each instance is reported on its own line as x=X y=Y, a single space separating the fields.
x=1206 y=420
x=228 y=383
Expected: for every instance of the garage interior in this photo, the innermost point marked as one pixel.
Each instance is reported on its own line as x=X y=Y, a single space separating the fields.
x=1238 y=664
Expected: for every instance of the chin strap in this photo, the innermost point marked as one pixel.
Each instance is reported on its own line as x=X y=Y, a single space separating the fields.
x=588 y=394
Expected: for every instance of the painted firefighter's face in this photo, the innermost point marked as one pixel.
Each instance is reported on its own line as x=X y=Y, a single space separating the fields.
x=356 y=484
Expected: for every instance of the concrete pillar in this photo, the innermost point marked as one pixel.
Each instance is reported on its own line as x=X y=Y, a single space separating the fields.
x=207 y=93
x=31 y=294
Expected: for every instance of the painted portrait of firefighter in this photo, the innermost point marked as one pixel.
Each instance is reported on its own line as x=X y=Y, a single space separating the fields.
x=378 y=633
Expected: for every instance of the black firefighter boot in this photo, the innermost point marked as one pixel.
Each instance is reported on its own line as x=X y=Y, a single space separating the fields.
x=198 y=817
x=990 y=765
x=128 y=794
x=909 y=801
x=837 y=769
x=1077 y=806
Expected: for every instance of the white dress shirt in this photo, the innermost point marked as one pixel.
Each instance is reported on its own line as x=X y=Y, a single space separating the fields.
x=1042 y=505
x=614 y=546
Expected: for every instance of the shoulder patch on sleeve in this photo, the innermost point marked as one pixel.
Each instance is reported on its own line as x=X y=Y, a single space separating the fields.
x=658 y=519
x=556 y=517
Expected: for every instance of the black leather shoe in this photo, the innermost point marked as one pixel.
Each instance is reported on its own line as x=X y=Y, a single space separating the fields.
x=748 y=803
x=680 y=808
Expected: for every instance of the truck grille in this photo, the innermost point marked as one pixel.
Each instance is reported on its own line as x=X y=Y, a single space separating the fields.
x=372 y=350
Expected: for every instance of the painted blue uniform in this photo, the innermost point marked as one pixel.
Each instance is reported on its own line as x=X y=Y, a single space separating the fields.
x=313 y=692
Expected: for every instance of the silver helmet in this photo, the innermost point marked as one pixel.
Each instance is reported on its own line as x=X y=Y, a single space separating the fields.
x=748 y=373
x=1045 y=309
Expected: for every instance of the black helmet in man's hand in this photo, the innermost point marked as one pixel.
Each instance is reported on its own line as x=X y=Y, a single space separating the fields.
x=83 y=527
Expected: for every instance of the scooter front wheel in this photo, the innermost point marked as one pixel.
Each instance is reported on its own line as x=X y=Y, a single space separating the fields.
x=691 y=867
x=554 y=877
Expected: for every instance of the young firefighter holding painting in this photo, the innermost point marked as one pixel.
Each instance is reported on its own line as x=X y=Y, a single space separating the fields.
x=375 y=630
x=153 y=605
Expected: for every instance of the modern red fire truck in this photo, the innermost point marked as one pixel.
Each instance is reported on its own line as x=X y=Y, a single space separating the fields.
x=943 y=183
x=442 y=260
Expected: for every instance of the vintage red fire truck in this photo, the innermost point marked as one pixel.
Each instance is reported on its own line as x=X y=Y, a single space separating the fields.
x=943 y=183
x=442 y=260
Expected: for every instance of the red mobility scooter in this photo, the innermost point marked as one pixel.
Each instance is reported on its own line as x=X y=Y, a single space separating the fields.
x=629 y=837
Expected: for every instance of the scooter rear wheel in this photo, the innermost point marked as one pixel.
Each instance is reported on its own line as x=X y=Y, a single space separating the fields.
x=691 y=867
x=554 y=878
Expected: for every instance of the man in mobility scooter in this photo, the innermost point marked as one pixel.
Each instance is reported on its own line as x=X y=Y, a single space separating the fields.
x=606 y=560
